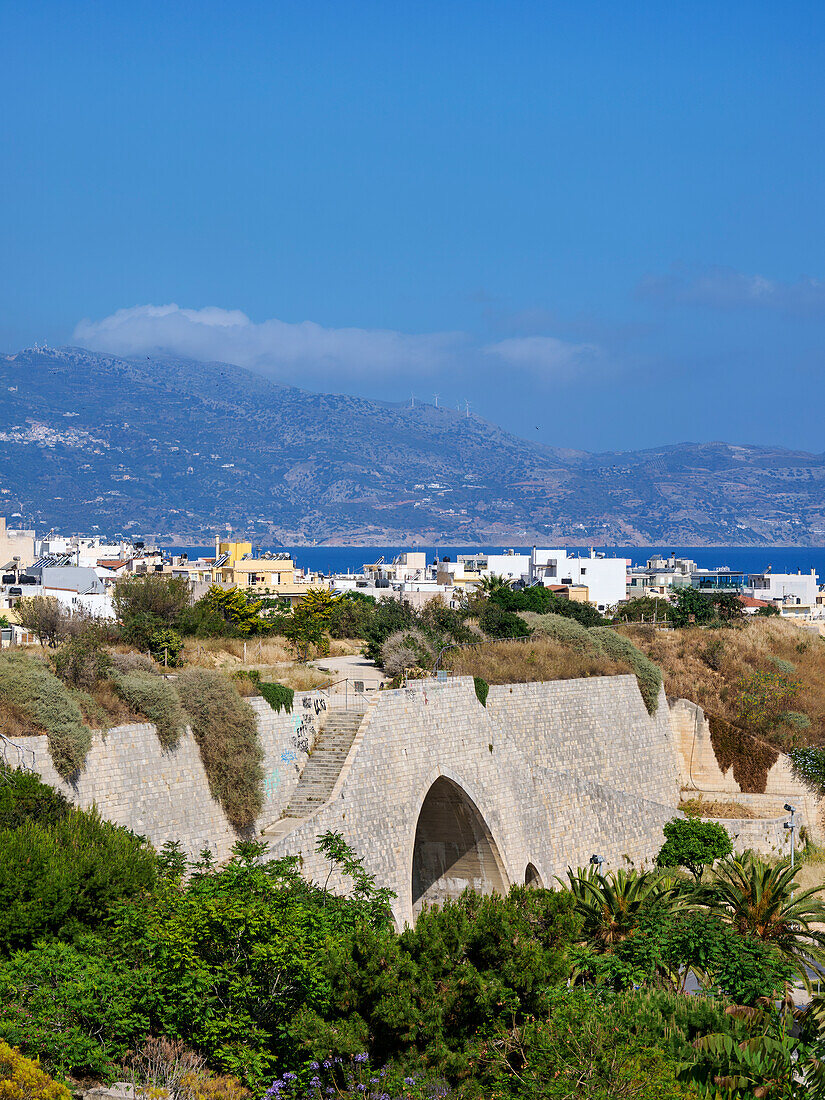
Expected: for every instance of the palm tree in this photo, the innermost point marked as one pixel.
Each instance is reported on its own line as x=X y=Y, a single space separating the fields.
x=493 y=585
x=757 y=899
x=611 y=904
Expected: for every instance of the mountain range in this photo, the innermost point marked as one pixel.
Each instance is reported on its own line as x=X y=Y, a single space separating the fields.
x=171 y=448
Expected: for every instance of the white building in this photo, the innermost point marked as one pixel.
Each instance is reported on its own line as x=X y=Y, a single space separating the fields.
x=793 y=593
x=605 y=578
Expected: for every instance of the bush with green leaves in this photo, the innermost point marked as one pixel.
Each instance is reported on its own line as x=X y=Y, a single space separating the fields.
x=29 y=684
x=156 y=699
x=149 y=602
x=694 y=844
x=496 y=622
x=166 y=646
x=568 y=631
x=482 y=689
x=544 y=601
x=648 y=674
x=351 y=615
x=465 y=967
x=71 y=1006
x=280 y=698
x=81 y=661
x=226 y=731
x=231 y=956
x=25 y=797
x=66 y=874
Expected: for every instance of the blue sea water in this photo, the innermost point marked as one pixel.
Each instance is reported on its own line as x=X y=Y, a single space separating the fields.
x=752 y=559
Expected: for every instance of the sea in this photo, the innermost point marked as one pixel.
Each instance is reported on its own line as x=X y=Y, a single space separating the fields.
x=751 y=559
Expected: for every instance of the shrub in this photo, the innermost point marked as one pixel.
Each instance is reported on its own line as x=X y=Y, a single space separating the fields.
x=498 y=623
x=132 y=662
x=78 y=1011
x=24 y=797
x=351 y=615
x=648 y=675
x=22 y=1079
x=541 y=600
x=68 y=872
x=694 y=844
x=81 y=661
x=482 y=690
x=225 y=728
x=279 y=697
x=156 y=699
x=166 y=646
x=568 y=631
x=28 y=683
x=144 y=604
x=763 y=697
x=405 y=649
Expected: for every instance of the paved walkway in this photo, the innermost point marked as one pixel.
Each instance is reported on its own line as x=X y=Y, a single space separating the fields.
x=352 y=667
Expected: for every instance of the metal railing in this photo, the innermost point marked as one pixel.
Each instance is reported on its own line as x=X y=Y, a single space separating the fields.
x=354 y=694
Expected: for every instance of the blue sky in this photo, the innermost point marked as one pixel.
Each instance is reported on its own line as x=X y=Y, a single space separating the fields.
x=601 y=224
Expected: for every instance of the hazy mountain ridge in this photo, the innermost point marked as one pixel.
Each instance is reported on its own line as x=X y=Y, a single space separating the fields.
x=182 y=448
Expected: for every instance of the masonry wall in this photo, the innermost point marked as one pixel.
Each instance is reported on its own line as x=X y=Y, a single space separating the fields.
x=701 y=777
x=557 y=771
x=165 y=795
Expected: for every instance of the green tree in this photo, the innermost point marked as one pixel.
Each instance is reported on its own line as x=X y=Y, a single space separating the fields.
x=234 y=608
x=306 y=627
x=692 y=606
x=230 y=956
x=694 y=844
x=149 y=602
x=611 y=905
x=763 y=901
x=498 y=623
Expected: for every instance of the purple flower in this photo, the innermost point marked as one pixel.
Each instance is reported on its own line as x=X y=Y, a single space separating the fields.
x=361 y=1057
x=290 y=1076
x=327 y=1064
x=315 y=1082
x=314 y=1065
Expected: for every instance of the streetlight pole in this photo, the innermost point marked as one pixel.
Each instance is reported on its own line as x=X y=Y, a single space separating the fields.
x=791 y=826
x=596 y=861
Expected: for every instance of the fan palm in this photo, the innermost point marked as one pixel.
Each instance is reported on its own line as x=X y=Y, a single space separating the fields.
x=757 y=899
x=610 y=905
x=493 y=584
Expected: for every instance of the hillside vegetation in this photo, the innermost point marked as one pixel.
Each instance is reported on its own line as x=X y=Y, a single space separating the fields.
x=764 y=676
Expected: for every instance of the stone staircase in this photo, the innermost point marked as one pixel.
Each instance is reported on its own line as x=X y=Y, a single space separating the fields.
x=325 y=762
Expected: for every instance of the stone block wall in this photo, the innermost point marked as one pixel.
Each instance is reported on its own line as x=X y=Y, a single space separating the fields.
x=165 y=795
x=701 y=777
x=552 y=772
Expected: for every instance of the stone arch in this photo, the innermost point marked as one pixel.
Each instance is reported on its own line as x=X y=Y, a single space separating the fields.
x=453 y=848
x=532 y=876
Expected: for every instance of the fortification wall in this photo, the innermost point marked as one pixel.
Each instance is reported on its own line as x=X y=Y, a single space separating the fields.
x=701 y=776
x=165 y=795
x=556 y=771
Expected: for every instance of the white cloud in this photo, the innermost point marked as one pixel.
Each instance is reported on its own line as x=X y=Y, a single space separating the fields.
x=545 y=355
x=725 y=288
x=274 y=347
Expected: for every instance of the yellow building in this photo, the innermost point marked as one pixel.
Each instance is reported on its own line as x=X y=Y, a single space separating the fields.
x=273 y=574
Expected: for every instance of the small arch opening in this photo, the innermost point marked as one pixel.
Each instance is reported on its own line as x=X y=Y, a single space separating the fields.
x=454 y=849
x=532 y=877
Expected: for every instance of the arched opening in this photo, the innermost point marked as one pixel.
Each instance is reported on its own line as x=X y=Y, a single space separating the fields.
x=532 y=877
x=453 y=849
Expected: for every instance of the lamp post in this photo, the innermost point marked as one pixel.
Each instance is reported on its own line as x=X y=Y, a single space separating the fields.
x=596 y=861
x=791 y=826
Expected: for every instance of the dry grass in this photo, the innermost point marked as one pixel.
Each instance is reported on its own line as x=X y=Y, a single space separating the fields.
x=14 y=722
x=698 y=807
x=526 y=662
x=707 y=665
x=274 y=658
